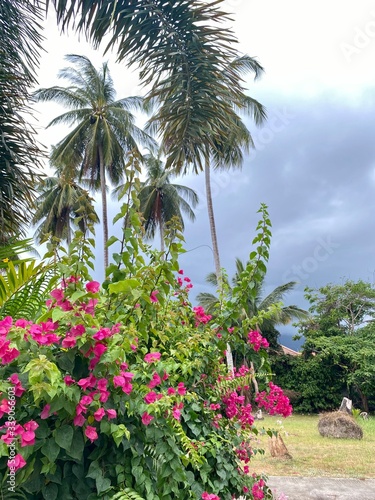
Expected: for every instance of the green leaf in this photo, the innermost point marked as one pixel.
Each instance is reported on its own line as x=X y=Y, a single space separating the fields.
x=124 y=285
x=77 y=446
x=51 y=450
x=112 y=240
x=57 y=314
x=64 y=436
x=102 y=484
x=50 y=491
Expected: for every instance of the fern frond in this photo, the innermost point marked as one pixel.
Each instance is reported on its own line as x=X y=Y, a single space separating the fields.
x=224 y=386
x=193 y=456
x=24 y=288
x=127 y=494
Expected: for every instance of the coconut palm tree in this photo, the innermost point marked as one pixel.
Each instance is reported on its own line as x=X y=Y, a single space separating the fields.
x=257 y=303
x=61 y=202
x=104 y=129
x=228 y=153
x=184 y=51
x=20 y=42
x=160 y=200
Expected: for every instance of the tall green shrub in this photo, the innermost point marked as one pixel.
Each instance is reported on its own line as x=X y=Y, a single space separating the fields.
x=120 y=391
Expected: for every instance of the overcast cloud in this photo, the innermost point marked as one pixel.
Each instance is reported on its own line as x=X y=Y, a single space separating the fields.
x=314 y=164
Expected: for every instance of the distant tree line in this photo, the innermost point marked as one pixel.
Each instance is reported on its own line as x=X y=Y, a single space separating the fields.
x=338 y=354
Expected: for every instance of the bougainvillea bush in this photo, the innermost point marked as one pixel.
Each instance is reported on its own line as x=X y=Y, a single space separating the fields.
x=120 y=390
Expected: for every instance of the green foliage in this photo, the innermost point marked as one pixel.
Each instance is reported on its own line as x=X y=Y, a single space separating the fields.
x=173 y=445
x=24 y=287
x=338 y=356
x=312 y=383
x=20 y=42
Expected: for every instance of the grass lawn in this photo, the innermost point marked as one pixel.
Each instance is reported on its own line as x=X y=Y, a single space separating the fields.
x=312 y=454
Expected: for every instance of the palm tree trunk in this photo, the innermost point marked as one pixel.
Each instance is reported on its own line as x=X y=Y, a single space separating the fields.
x=162 y=246
x=104 y=205
x=215 y=247
x=211 y=218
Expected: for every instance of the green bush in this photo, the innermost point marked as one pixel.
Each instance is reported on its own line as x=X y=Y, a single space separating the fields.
x=121 y=391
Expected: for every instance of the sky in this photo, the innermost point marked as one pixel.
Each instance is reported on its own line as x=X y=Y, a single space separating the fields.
x=314 y=162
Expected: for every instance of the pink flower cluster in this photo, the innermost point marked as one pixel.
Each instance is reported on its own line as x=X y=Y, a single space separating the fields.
x=201 y=316
x=16 y=463
x=257 y=341
x=257 y=490
x=275 y=401
x=18 y=389
x=44 y=333
x=244 y=453
x=7 y=353
x=209 y=496
x=235 y=407
x=97 y=387
x=59 y=299
x=25 y=432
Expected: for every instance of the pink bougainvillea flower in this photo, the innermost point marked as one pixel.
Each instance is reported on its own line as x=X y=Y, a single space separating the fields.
x=153 y=295
x=116 y=328
x=181 y=389
x=104 y=395
x=156 y=380
x=152 y=357
x=5 y=325
x=8 y=437
x=99 y=414
x=201 y=316
x=90 y=433
x=181 y=271
x=18 y=389
x=151 y=397
x=102 y=384
x=275 y=401
x=257 y=341
x=103 y=333
x=69 y=380
x=87 y=399
x=118 y=381
x=257 y=491
x=99 y=349
x=16 y=463
x=176 y=412
x=127 y=388
x=57 y=294
x=73 y=279
x=93 y=286
x=89 y=308
x=87 y=382
x=79 y=420
x=69 y=342
x=77 y=330
x=27 y=438
x=171 y=391
x=22 y=323
x=45 y=412
x=209 y=496
x=8 y=355
x=146 y=418
x=111 y=414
